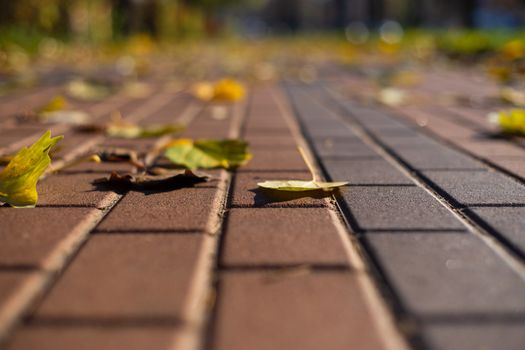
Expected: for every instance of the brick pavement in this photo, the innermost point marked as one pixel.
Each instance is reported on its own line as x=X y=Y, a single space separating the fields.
x=424 y=249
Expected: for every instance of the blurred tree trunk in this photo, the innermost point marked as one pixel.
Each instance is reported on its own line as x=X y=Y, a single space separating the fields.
x=134 y=17
x=376 y=10
x=467 y=9
x=341 y=13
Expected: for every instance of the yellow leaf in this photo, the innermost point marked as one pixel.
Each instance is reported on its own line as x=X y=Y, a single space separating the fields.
x=207 y=154
x=228 y=90
x=225 y=90
x=512 y=122
x=203 y=91
x=19 y=178
x=299 y=185
x=57 y=103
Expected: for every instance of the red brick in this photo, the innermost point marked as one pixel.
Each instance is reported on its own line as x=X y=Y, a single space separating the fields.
x=126 y=276
x=74 y=190
x=183 y=209
x=326 y=311
x=281 y=160
x=9 y=282
x=102 y=169
x=489 y=148
x=515 y=165
x=276 y=236
x=27 y=236
x=92 y=337
x=270 y=141
x=246 y=192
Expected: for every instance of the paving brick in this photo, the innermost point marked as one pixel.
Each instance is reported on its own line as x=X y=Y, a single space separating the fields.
x=70 y=190
x=70 y=141
x=9 y=282
x=283 y=160
x=125 y=276
x=184 y=209
x=441 y=158
x=266 y=120
x=488 y=148
x=276 y=236
x=451 y=130
x=27 y=236
x=101 y=169
x=409 y=141
x=475 y=336
x=271 y=141
x=515 y=165
x=343 y=148
x=507 y=221
x=371 y=117
x=438 y=272
x=365 y=172
x=309 y=311
x=92 y=337
x=139 y=145
x=246 y=193
x=338 y=130
x=394 y=207
x=478 y=187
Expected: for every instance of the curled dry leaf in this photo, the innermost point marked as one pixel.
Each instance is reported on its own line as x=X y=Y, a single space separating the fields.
x=19 y=178
x=207 y=154
x=120 y=155
x=168 y=181
x=299 y=185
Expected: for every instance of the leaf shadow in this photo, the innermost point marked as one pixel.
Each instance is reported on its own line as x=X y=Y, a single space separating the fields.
x=495 y=135
x=149 y=190
x=265 y=196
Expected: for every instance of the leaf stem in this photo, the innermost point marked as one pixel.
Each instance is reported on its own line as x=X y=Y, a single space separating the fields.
x=308 y=163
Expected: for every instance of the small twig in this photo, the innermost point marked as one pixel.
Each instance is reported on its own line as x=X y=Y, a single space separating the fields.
x=308 y=164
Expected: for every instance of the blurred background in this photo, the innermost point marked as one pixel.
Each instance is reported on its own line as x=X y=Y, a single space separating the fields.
x=103 y=20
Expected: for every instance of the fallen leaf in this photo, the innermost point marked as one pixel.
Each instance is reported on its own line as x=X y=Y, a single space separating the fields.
x=512 y=96
x=87 y=91
x=120 y=128
x=168 y=181
x=57 y=103
x=19 y=178
x=225 y=90
x=120 y=155
x=228 y=90
x=208 y=154
x=510 y=122
x=392 y=97
x=299 y=185
x=202 y=91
